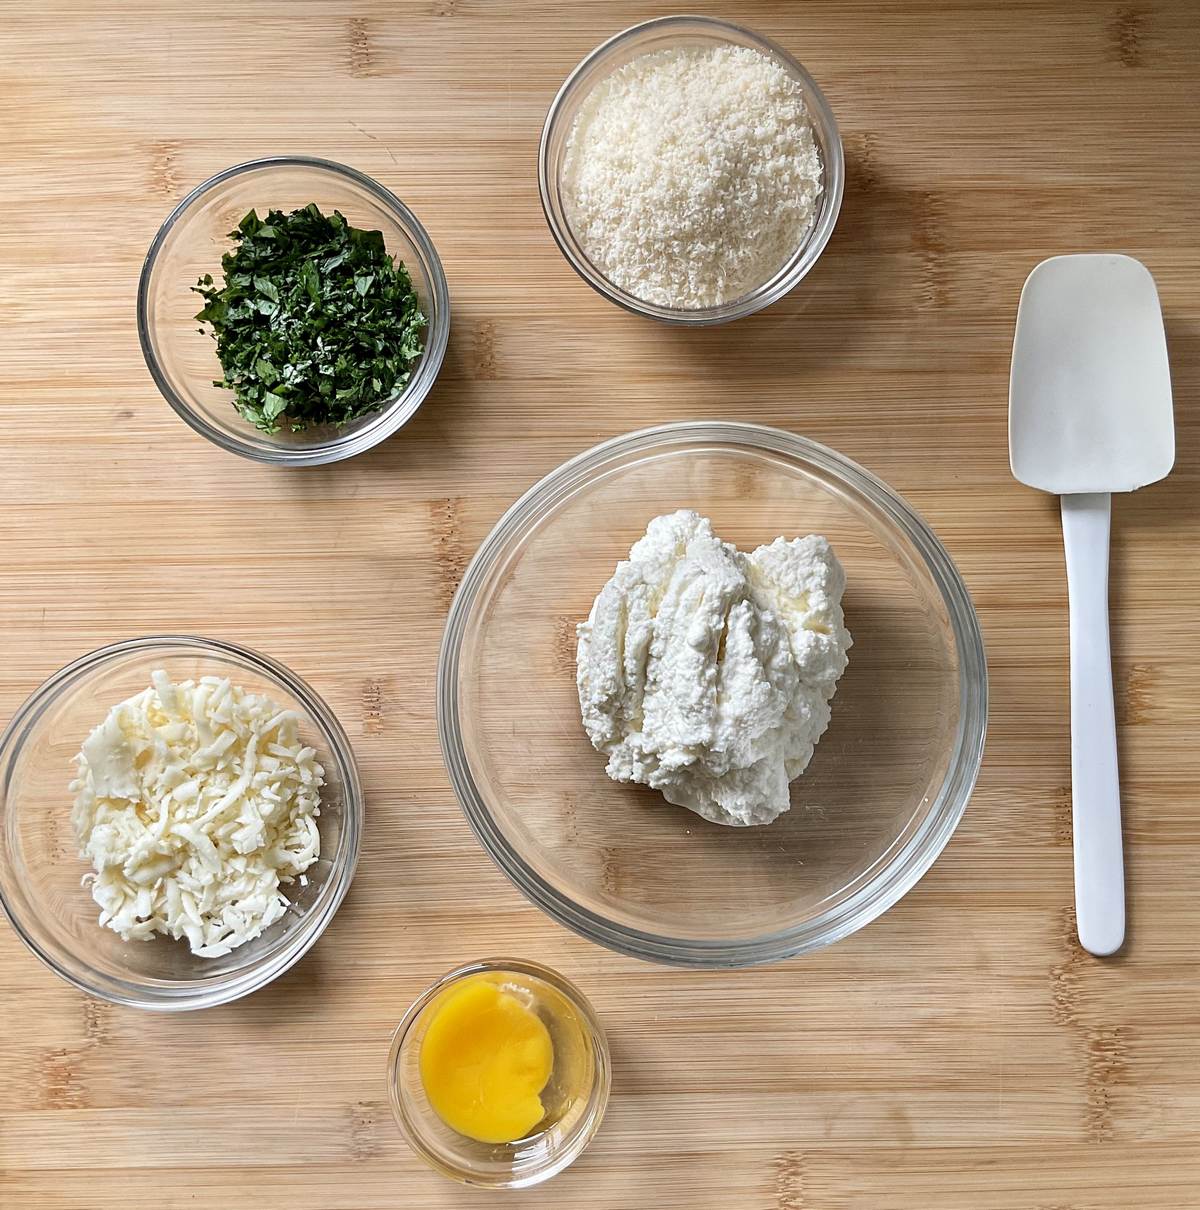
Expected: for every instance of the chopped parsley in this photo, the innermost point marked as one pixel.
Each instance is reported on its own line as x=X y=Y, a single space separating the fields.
x=315 y=324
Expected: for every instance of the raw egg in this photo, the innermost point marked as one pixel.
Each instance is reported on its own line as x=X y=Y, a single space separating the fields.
x=485 y=1059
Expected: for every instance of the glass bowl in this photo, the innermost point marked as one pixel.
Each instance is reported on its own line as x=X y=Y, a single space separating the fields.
x=40 y=866
x=661 y=34
x=575 y=1102
x=182 y=359
x=888 y=781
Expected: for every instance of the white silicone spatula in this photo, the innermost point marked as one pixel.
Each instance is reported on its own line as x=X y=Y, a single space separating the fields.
x=1089 y=413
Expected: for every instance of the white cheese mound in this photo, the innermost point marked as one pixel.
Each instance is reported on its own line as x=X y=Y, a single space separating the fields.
x=691 y=175
x=707 y=673
x=194 y=803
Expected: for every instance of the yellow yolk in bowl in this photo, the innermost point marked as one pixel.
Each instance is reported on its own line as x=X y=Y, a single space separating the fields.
x=485 y=1058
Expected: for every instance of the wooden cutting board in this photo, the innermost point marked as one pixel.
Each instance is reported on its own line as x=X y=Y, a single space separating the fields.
x=962 y=1052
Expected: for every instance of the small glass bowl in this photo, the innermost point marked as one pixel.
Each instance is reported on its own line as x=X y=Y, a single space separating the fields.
x=182 y=359
x=40 y=866
x=661 y=34
x=575 y=1110
x=888 y=781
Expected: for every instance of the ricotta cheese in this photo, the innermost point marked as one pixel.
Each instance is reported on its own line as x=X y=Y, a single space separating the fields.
x=707 y=673
x=195 y=802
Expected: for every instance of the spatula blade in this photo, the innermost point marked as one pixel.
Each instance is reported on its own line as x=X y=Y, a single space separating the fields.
x=1089 y=405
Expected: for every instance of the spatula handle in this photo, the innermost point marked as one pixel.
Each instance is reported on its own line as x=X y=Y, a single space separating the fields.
x=1095 y=790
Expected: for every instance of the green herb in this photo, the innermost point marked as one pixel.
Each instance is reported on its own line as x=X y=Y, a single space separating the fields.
x=315 y=323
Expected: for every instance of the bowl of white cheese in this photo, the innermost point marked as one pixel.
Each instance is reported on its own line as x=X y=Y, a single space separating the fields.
x=691 y=170
x=712 y=694
x=179 y=821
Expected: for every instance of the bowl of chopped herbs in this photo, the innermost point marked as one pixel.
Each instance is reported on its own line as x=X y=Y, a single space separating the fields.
x=293 y=311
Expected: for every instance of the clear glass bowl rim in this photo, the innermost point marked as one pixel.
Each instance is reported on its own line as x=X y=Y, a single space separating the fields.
x=603 y=1082
x=797 y=268
x=183 y=998
x=905 y=867
x=393 y=415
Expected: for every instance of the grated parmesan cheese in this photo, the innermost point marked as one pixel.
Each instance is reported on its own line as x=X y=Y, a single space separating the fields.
x=194 y=803
x=691 y=175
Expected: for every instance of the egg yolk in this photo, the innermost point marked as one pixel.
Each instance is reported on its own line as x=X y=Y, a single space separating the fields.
x=485 y=1059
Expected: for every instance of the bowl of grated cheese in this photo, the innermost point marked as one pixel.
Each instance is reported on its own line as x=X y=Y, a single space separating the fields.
x=179 y=821
x=691 y=170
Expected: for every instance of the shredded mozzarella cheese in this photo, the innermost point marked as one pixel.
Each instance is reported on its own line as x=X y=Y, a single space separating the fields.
x=194 y=803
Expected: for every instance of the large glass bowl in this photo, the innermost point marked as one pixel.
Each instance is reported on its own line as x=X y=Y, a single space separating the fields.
x=617 y=863
x=182 y=359
x=665 y=33
x=40 y=866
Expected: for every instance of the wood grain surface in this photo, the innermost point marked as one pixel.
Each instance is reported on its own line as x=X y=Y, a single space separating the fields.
x=962 y=1052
